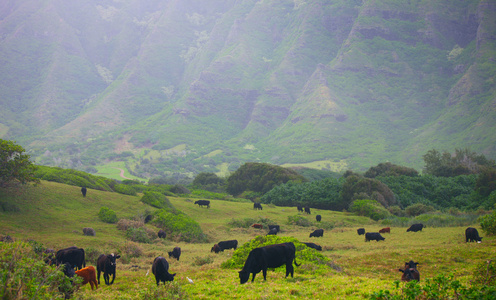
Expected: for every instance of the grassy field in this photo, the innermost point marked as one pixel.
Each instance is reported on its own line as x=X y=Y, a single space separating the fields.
x=55 y=214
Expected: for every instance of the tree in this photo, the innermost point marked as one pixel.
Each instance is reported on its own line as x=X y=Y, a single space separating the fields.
x=462 y=162
x=15 y=166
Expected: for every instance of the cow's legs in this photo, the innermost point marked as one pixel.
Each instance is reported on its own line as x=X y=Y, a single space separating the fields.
x=253 y=278
x=265 y=274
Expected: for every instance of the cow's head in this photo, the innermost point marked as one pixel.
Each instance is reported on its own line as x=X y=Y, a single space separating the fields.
x=111 y=259
x=411 y=264
x=68 y=270
x=243 y=276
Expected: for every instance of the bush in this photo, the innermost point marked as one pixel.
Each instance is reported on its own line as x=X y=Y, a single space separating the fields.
x=125 y=189
x=200 y=261
x=107 y=215
x=131 y=249
x=369 y=208
x=418 y=209
x=299 y=221
x=156 y=199
x=138 y=235
x=488 y=223
x=180 y=226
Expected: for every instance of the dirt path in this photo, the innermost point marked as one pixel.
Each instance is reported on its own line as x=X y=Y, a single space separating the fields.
x=122 y=173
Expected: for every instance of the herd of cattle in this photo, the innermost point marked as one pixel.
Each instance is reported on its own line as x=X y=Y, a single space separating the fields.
x=259 y=259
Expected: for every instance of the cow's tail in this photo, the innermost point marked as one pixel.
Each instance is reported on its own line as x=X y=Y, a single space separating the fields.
x=296 y=264
x=84 y=258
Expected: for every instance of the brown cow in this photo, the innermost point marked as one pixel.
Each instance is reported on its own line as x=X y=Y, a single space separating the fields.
x=258 y=226
x=89 y=275
x=384 y=230
x=410 y=272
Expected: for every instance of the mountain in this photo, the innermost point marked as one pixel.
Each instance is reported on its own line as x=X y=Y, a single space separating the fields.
x=189 y=86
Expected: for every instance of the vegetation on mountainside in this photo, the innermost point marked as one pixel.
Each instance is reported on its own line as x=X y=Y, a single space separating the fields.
x=15 y=164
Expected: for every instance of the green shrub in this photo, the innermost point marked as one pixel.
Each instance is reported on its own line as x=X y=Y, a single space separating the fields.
x=369 y=208
x=107 y=215
x=125 y=189
x=200 y=261
x=156 y=199
x=22 y=272
x=138 y=235
x=299 y=221
x=131 y=249
x=488 y=223
x=418 y=209
x=180 y=226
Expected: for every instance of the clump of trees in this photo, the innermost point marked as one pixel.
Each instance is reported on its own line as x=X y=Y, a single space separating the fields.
x=462 y=162
x=15 y=165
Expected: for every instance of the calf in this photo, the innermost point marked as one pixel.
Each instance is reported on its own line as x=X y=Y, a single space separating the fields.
x=106 y=264
x=273 y=231
x=175 y=253
x=162 y=234
x=373 y=236
x=416 y=227
x=271 y=256
x=89 y=275
x=314 y=246
x=160 y=268
x=318 y=218
x=410 y=272
x=386 y=229
x=202 y=203
x=258 y=226
x=257 y=206
x=275 y=226
x=307 y=209
x=317 y=233
x=472 y=235
x=361 y=231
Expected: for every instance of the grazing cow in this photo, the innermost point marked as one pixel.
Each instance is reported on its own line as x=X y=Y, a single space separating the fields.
x=89 y=231
x=386 y=229
x=307 y=209
x=68 y=270
x=300 y=208
x=361 y=231
x=410 y=272
x=230 y=244
x=271 y=256
x=416 y=227
x=258 y=226
x=317 y=233
x=202 y=203
x=162 y=234
x=106 y=264
x=89 y=275
x=175 y=253
x=273 y=231
x=216 y=248
x=160 y=268
x=257 y=206
x=275 y=226
x=83 y=191
x=314 y=246
x=318 y=218
x=73 y=255
x=472 y=235
x=373 y=236
x=148 y=218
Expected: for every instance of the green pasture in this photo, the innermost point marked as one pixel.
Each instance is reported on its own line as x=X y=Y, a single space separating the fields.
x=112 y=170
x=54 y=214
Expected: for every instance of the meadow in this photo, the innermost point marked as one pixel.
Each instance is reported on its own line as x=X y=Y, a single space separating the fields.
x=54 y=214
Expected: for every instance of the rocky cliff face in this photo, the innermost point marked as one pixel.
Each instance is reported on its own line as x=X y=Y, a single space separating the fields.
x=286 y=81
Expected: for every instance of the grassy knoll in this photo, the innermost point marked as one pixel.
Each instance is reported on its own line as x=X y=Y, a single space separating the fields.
x=55 y=214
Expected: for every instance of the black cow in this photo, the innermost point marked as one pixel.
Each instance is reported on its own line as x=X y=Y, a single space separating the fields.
x=257 y=206
x=314 y=246
x=317 y=233
x=361 y=231
x=73 y=255
x=106 y=264
x=162 y=234
x=148 y=218
x=175 y=253
x=409 y=274
x=273 y=231
x=160 y=268
x=318 y=218
x=216 y=248
x=300 y=208
x=373 y=236
x=271 y=256
x=307 y=209
x=68 y=270
x=83 y=191
x=230 y=244
x=416 y=227
x=275 y=226
x=472 y=235
x=202 y=203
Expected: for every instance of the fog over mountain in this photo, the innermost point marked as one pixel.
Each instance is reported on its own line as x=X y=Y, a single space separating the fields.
x=193 y=85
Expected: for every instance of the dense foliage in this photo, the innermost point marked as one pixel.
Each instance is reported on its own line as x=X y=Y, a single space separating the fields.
x=209 y=181
x=389 y=169
x=369 y=208
x=15 y=164
x=107 y=215
x=488 y=223
x=260 y=178
x=74 y=177
x=462 y=162
x=180 y=226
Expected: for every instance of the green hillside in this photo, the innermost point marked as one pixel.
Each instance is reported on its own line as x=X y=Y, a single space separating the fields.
x=54 y=214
